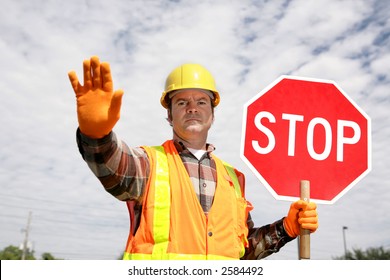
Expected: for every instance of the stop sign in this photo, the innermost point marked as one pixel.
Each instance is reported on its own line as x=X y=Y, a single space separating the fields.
x=306 y=129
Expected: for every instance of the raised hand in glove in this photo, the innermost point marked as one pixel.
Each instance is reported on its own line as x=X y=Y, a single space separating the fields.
x=301 y=214
x=98 y=106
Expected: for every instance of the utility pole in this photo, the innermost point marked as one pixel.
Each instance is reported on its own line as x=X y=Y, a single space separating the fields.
x=25 y=242
x=345 y=241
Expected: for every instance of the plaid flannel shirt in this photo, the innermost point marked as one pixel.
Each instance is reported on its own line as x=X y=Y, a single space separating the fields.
x=124 y=172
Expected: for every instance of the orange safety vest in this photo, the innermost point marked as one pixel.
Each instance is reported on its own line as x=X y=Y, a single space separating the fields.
x=173 y=224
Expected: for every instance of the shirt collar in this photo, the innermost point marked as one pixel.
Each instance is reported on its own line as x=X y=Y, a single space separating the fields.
x=181 y=148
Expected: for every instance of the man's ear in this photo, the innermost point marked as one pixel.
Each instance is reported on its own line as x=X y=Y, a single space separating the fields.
x=169 y=117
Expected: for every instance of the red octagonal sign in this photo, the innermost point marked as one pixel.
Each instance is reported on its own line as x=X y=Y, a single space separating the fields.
x=306 y=129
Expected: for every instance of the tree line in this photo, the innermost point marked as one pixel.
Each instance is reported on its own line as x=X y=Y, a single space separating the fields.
x=373 y=253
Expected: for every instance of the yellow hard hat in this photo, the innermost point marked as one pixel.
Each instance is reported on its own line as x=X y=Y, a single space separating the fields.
x=188 y=76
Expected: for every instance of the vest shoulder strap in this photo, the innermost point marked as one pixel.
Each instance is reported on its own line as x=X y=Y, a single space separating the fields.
x=233 y=176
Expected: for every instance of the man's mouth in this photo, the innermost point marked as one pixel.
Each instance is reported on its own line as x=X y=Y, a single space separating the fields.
x=192 y=121
x=188 y=119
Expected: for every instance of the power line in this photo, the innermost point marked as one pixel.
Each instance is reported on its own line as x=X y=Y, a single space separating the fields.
x=56 y=202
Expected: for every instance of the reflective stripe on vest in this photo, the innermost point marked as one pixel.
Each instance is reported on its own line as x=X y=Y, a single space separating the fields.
x=161 y=213
x=162 y=204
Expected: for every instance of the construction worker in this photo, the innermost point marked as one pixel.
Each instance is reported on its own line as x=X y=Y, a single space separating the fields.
x=184 y=202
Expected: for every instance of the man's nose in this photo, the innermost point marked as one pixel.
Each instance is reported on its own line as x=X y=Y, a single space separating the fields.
x=192 y=107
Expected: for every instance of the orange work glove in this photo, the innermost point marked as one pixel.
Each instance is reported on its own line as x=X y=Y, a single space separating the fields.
x=301 y=214
x=98 y=107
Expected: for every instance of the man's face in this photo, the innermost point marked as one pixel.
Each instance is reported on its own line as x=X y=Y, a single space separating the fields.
x=191 y=114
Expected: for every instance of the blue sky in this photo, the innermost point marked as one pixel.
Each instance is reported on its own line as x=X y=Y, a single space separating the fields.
x=245 y=44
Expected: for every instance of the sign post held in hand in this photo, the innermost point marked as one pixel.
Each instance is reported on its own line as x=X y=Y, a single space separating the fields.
x=304 y=237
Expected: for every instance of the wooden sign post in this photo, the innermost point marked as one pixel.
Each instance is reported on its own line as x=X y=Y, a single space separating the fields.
x=304 y=238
